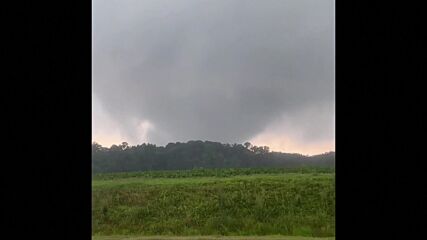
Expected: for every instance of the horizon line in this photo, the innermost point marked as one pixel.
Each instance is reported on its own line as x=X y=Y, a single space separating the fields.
x=309 y=155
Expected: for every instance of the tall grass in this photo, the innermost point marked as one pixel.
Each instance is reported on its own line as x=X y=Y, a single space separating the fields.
x=237 y=202
x=209 y=172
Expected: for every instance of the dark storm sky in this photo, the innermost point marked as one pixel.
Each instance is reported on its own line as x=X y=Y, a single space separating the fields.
x=219 y=70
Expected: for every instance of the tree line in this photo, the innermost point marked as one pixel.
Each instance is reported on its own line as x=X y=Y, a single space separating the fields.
x=197 y=154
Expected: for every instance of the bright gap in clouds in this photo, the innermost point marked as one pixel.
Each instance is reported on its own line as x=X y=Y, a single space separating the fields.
x=104 y=130
x=310 y=131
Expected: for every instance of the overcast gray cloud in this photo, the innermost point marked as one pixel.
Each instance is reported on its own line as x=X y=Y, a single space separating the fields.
x=221 y=70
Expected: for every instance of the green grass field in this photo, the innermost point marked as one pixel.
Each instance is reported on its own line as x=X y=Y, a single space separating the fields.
x=250 y=203
x=210 y=238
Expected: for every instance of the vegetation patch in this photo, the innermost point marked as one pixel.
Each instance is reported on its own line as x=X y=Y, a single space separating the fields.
x=227 y=202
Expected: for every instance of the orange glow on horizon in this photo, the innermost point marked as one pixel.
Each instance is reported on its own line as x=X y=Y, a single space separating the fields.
x=283 y=144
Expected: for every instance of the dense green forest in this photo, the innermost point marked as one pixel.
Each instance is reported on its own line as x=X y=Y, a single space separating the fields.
x=197 y=154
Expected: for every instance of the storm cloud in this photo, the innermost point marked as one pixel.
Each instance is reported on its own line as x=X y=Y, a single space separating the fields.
x=219 y=70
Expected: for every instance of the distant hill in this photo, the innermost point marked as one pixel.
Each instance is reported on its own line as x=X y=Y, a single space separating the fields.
x=197 y=154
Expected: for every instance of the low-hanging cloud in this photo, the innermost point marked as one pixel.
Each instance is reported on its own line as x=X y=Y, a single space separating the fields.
x=220 y=70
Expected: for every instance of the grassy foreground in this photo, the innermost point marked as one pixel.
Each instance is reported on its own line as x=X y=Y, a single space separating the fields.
x=214 y=202
x=211 y=238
